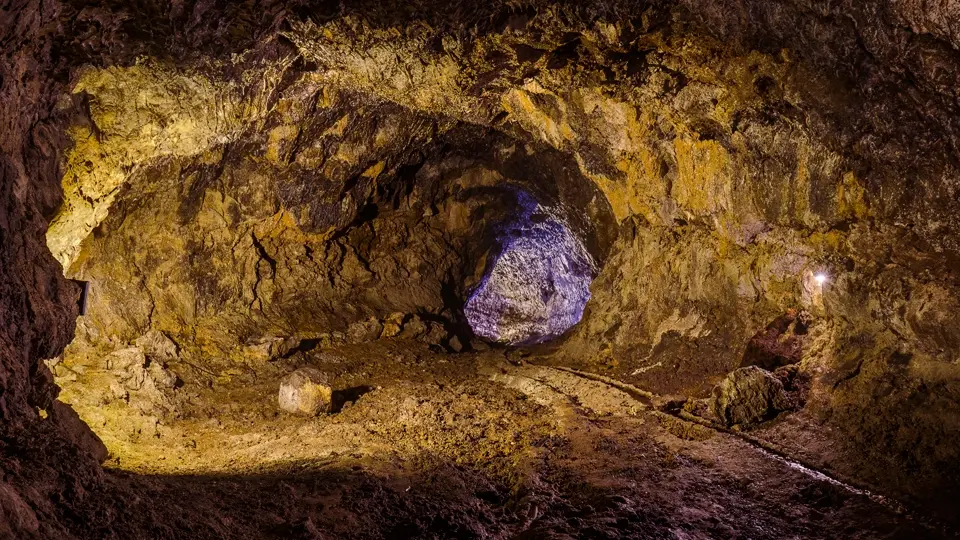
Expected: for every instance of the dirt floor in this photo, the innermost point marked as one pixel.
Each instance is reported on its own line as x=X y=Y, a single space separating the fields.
x=426 y=444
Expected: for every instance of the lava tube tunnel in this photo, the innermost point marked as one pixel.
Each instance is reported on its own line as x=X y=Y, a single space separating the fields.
x=524 y=269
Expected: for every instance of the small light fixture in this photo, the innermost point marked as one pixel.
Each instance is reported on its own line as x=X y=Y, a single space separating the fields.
x=820 y=278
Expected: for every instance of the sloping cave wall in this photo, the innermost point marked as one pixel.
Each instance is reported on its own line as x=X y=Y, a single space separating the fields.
x=41 y=460
x=740 y=146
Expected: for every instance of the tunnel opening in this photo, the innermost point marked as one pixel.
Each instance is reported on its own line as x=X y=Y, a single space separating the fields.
x=257 y=301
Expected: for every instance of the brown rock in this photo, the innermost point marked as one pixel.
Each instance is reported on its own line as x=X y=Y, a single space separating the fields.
x=392 y=326
x=748 y=395
x=306 y=392
x=365 y=331
x=17 y=519
x=414 y=328
x=77 y=431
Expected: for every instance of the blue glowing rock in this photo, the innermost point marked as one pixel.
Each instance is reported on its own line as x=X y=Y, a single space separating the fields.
x=538 y=285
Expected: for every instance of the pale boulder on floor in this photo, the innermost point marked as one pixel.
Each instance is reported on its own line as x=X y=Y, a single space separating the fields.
x=306 y=391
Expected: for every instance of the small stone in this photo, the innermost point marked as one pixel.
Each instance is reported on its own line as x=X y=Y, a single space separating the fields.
x=365 y=331
x=268 y=349
x=52 y=363
x=748 y=395
x=390 y=330
x=393 y=325
x=479 y=345
x=306 y=392
x=435 y=335
x=324 y=341
x=414 y=328
x=455 y=344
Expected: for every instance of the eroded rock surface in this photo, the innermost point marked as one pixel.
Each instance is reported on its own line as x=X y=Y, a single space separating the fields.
x=538 y=283
x=747 y=396
x=249 y=186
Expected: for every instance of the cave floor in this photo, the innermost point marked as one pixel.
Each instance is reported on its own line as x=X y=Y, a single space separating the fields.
x=432 y=445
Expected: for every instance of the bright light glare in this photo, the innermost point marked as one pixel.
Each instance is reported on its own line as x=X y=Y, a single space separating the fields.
x=821 y=278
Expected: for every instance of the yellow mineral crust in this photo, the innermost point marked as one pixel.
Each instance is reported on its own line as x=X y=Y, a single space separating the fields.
x=138 y=115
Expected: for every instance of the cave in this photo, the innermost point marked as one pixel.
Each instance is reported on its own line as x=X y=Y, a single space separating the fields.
x=508 y=269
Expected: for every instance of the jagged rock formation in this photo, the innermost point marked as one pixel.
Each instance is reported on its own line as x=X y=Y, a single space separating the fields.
x=244 y=185
x=748 y=395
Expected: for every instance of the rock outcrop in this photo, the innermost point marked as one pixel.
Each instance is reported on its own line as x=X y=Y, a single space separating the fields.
x=747 y=396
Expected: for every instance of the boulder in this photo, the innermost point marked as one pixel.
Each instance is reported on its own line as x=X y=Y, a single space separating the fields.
x=538 y=285
x=136 y=372
x=365 y=331
x=748 y=395
x=306 y=391
x=393 y=325
x=454 y=344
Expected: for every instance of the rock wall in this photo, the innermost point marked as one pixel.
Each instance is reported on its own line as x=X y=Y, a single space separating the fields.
x=234 y=173
x=40 y=458
x=740 y=149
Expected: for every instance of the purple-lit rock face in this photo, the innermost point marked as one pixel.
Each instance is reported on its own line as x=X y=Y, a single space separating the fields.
x=537 y=287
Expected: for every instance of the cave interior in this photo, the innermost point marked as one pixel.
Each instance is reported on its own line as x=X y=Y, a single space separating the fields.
x=505 y=269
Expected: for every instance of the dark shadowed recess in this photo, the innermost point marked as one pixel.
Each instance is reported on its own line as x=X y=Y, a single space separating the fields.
x=553 y=178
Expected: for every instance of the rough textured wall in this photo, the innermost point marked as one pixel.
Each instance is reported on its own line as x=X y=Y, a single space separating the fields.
x=740 y=145
x=340 y=228
x=37 y=304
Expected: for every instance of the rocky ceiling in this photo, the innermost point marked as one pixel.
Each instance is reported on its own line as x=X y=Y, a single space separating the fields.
x=410 y=200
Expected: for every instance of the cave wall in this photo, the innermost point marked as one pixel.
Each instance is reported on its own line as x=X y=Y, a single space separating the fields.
x=265 y=236
x=313 y=226
x=740 y=149
x=740 y=145
x=37 y=304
